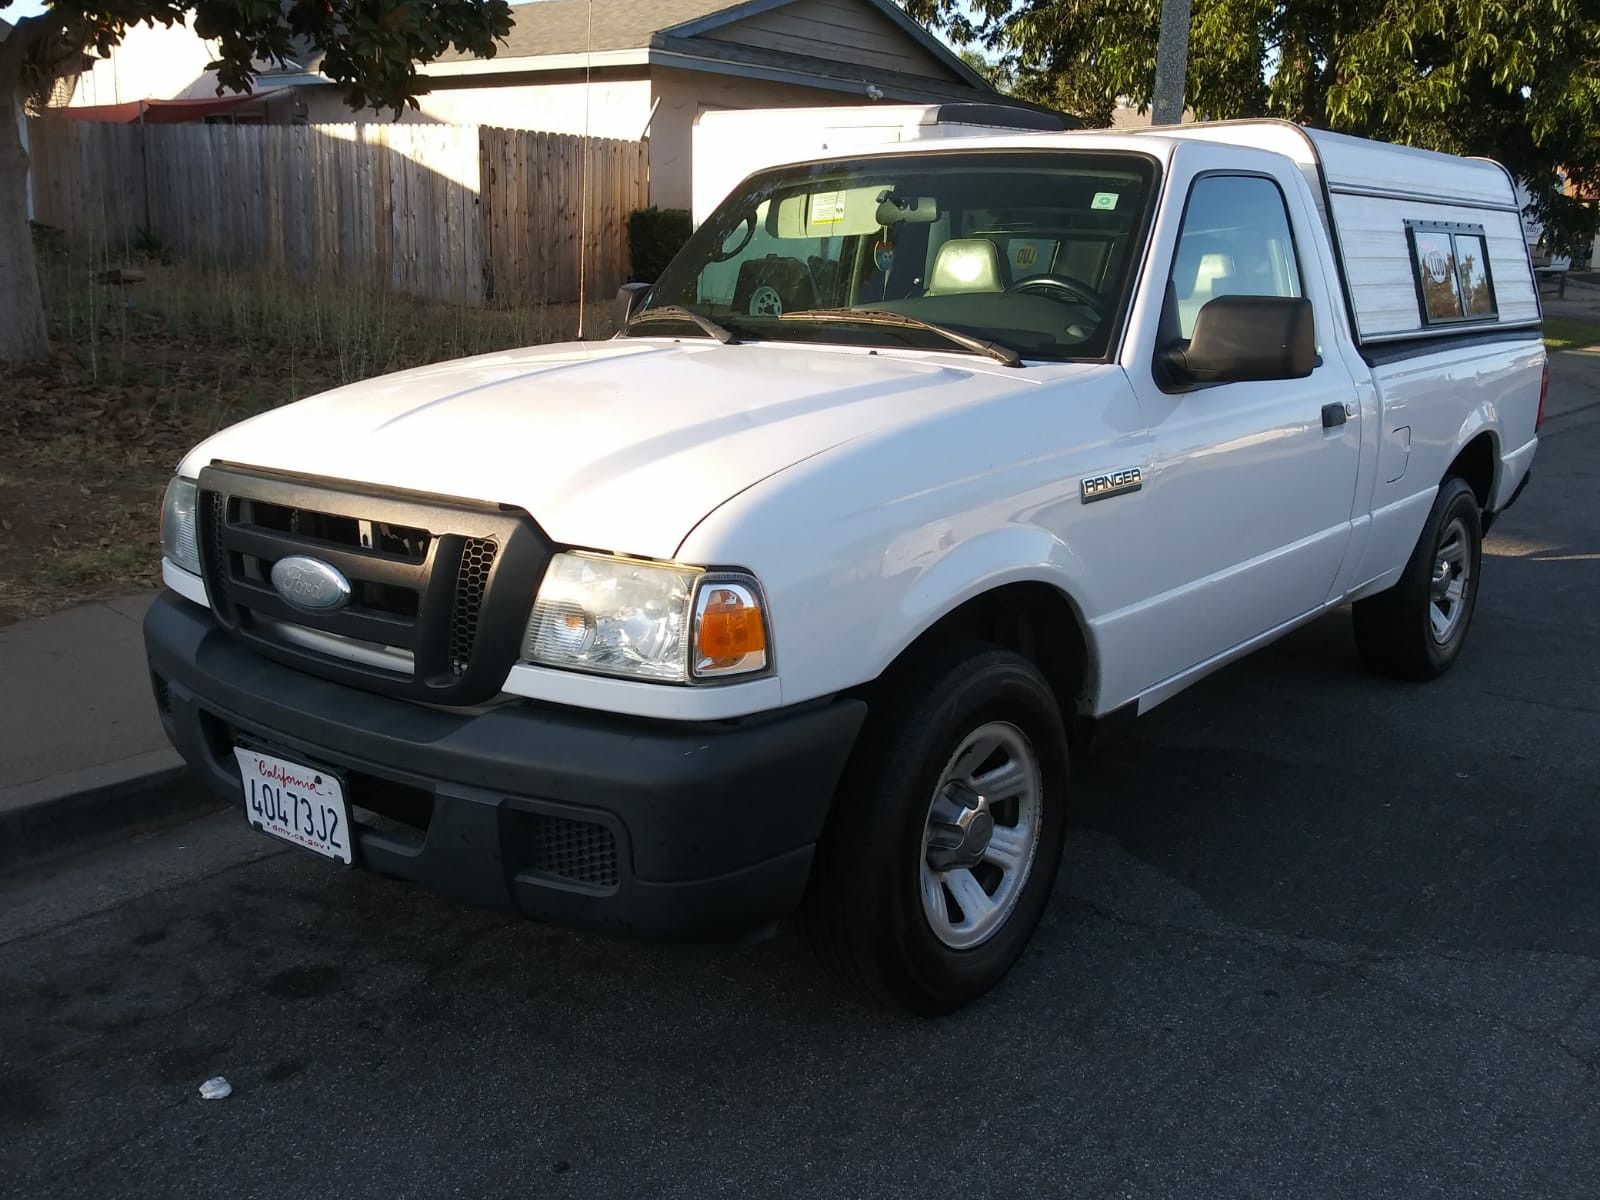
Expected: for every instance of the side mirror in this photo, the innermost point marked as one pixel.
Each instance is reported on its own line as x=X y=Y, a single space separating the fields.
x=1238 y=338
x=628 y=297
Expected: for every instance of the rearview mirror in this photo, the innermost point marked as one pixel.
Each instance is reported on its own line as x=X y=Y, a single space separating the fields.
x=628 y=297
x=1239 y=338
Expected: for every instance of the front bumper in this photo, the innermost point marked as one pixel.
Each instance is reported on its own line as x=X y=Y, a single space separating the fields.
x=656 y=829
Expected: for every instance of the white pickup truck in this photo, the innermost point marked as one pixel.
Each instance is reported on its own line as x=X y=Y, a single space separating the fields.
x=797 y=594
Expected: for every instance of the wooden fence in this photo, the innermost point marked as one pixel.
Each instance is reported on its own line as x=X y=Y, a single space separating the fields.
x=452 y=212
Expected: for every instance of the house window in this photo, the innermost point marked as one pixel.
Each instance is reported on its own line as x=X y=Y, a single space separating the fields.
x=1450 y=263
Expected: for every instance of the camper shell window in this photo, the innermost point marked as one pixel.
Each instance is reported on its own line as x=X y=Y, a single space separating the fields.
x=1450 y=263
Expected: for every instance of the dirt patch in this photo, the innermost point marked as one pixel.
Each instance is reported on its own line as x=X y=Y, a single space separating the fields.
x=142 y=373
x=83 y=464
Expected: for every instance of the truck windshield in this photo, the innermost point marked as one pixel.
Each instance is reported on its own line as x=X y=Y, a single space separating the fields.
x=1032 y=251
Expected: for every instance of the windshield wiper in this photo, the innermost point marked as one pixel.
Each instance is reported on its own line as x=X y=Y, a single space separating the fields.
x=677 y=312
x=882 y=316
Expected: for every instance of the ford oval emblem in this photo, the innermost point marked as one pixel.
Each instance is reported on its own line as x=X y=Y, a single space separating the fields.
x=310 y=584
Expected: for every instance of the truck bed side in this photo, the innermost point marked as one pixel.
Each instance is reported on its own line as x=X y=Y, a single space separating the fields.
x=1472 y=406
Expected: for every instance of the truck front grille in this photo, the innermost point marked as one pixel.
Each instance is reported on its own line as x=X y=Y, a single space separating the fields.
x=439 y=590
x=477 y=564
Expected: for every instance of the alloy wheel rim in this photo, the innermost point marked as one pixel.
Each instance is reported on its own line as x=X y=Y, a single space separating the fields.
x=981 y=835
x=1451 y=583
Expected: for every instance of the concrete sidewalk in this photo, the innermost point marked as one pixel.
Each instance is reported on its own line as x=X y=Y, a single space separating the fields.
x=81 y=749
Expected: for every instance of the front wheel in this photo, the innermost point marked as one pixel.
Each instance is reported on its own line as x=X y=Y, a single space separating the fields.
x=1416 y=629
x=945 y=839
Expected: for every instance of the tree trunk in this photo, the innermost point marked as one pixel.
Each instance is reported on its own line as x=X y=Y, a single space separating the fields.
x=22 y=331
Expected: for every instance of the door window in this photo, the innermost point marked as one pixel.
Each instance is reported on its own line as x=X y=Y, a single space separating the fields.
x=1235 y=241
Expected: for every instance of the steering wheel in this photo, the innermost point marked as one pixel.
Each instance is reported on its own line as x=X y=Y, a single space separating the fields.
x=1077 y=291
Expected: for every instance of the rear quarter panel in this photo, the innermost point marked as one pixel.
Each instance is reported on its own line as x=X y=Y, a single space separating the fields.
x=1432 y=404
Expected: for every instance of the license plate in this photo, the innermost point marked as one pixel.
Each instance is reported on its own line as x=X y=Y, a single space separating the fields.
x=300 y=804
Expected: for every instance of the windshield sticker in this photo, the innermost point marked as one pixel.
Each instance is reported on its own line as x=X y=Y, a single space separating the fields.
x=1104 y=201
x=827 y=208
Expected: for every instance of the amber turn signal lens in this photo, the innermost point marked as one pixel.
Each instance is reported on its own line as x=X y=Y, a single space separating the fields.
x=730 y=635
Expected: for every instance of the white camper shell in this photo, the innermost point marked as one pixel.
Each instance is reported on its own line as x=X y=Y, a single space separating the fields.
x=729 y=144
x=1403 y=223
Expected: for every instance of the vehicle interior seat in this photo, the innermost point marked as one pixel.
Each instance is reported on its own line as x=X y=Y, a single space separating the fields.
x=966 y=265
x=1202 y=271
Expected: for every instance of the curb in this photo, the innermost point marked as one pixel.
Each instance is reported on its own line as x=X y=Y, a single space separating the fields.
x=53 y=814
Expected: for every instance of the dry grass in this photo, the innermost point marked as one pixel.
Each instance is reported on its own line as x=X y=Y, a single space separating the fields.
x=144 y=371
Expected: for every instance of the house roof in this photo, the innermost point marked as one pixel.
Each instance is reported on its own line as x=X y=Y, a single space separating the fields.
x=555 y=30
x=562 y=26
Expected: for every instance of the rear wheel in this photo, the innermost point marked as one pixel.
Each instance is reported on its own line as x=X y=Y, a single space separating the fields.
x=1416 y=629
x=944 y=842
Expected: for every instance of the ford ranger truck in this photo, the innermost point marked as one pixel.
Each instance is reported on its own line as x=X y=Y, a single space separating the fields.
x=915 y=461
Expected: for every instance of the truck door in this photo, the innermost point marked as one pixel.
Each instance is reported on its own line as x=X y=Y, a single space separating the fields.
x=1252 y=484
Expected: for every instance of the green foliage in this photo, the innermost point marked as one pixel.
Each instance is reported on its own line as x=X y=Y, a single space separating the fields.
x=148 y=244
x=47 y=239
x=1516 y=80
x=997 y=71
x=371 y=48
x=654 y=236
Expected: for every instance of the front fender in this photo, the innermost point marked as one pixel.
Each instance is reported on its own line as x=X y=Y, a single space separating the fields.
x=991 y=560
x=861 y=549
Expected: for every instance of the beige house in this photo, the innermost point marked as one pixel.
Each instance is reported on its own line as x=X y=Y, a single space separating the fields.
x=610 y=68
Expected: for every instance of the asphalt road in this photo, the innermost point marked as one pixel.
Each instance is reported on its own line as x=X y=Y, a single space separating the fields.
x=1317 y=935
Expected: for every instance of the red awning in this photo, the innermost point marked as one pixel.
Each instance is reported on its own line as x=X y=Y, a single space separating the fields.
x=156 y=112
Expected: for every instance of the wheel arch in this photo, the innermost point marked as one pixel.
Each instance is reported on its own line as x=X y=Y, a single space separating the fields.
x=1031 y=615
x=1477 y=462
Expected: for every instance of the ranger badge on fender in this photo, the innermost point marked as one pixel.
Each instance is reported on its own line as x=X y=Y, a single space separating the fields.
x=1112 y=483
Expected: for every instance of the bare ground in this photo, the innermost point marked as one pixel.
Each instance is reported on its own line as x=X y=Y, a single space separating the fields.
x=143 y=373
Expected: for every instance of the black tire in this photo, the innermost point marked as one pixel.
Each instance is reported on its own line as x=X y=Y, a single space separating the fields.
x=1395 y=630
x=864 y=912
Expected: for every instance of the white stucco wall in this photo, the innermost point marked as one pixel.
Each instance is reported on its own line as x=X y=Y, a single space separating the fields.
x=616 y=108
x=684 y=95
x=152 y=63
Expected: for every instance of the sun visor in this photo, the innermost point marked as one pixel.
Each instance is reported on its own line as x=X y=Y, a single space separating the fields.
x=842 y=212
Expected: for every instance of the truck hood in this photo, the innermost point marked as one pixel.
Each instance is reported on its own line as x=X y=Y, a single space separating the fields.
x=622 y=446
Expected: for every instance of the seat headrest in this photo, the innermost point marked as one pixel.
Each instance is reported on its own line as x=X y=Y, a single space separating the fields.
x=1200 y=258
x=969 y=265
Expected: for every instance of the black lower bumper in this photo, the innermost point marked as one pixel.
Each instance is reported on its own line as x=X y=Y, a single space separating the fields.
x=649 y=828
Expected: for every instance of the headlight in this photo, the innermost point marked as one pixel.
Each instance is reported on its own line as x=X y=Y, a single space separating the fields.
x=178 y=540
x=645 y=620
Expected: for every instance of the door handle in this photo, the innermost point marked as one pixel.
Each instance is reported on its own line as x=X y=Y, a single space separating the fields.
x=1333 y=416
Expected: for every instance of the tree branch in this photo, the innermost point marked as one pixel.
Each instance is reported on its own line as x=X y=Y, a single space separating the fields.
x=25 y=33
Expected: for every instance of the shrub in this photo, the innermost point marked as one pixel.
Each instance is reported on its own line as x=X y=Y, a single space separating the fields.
x=654 y=236
x=47 y=239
